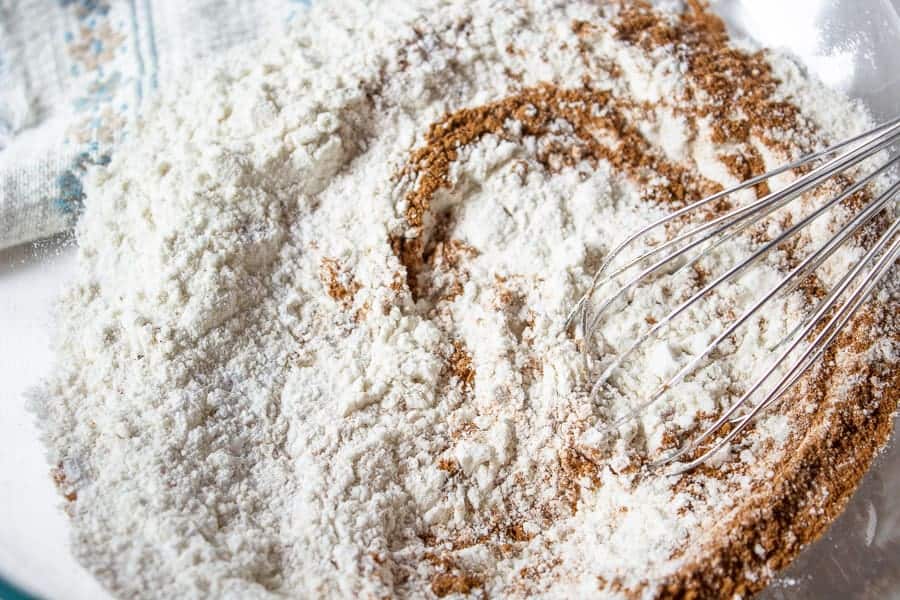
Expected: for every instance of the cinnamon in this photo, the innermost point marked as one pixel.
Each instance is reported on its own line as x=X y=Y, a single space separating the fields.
x=731 y=92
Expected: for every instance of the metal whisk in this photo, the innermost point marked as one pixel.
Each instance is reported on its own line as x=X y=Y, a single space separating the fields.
x=835 y=309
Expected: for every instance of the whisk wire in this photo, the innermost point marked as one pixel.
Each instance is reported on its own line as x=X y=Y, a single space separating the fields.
x=732 y=272
x=713 y=233
x=804 y=160
x=738 y=217
x=812 y=353
x=873 y=208
x=821 y=310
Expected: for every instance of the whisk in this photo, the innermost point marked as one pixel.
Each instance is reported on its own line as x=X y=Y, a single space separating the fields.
x=686 y=249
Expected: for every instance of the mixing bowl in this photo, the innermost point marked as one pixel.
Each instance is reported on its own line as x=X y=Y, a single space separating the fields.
x=852 y=45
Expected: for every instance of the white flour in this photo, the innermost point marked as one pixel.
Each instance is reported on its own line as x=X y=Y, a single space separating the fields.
x=249 y=400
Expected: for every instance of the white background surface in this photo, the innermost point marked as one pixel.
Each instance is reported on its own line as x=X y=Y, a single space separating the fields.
x=861 y=547
x=33 y=544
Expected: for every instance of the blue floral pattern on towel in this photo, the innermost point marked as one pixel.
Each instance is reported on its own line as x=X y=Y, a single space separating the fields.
x=71 y=190
x=106 y=60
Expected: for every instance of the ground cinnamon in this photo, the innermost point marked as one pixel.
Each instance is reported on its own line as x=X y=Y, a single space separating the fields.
x=733 y=94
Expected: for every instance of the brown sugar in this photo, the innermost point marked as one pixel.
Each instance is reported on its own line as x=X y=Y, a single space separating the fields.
x=734 y=89
x=537 y=109
x=451 y=579
x=448 y=465
x=62 y=483
x=575 y=467
x=339 y=284
x=812 y=486
x=443 y=584
x=461 y=365
x=582 y=28
x=722 y=82
x=746 y=166
x=731 y=92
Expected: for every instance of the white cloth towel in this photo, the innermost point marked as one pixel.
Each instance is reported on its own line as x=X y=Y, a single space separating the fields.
x=74 y=73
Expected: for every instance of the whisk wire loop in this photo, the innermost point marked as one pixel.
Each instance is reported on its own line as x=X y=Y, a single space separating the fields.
x=889 y=129
x=674 y=255
x=739 y=217
x=802 y=161
x=814 y=350
x=799 y=271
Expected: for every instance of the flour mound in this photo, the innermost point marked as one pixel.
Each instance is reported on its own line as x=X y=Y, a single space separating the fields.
x=316 y=344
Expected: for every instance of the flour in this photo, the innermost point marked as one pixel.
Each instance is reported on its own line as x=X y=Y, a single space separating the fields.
x=282 y=375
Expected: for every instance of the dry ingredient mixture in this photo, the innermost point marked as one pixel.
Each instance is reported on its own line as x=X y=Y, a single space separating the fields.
x=316 y=344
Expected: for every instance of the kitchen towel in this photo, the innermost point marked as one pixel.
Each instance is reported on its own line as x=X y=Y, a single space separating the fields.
x=74 y=73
